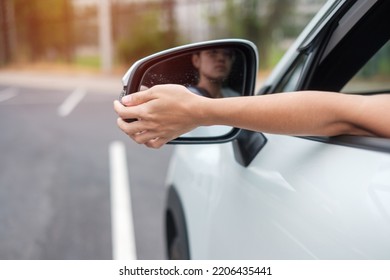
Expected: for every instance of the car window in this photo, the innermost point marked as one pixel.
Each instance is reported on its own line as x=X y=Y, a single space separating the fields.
x=374 y=76
x=291 y=79
x=350 y=47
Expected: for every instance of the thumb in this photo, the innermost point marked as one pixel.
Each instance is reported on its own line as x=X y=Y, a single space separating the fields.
x=137 y=98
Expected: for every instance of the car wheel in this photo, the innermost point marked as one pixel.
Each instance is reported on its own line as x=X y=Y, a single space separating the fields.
x=176 y=250
x=175 y=229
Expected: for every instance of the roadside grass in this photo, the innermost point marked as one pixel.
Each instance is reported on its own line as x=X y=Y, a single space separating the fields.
x=79 y=65
x=92 y=62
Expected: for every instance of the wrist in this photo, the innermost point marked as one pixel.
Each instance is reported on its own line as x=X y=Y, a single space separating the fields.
x=202 y=111
x=210 y=111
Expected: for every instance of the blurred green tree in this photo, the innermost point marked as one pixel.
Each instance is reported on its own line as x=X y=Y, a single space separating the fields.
x=147 y=30
x=257 y=21
x=378 y=67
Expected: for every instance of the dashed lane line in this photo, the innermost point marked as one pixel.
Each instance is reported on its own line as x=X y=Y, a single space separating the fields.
x=71 y=102
x=8 y=93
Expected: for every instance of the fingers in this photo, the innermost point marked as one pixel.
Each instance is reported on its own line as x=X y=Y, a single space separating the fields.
x=130 y=128
x=137 y=97
x=148 y=94
x=128 y=109
x=140 y=134
x=156 y=143
x=152 y=109
x=126 y=112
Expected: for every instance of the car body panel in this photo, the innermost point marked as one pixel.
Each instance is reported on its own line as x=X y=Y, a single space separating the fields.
x=291 y=204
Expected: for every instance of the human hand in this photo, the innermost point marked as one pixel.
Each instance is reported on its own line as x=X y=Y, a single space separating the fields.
x=162 y=113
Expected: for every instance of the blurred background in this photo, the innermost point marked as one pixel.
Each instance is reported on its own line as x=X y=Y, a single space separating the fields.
x=61 y=63
x=107 y=34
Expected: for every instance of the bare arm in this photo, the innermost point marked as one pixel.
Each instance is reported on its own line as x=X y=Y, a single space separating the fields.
x=308 y=113
x=166 y=112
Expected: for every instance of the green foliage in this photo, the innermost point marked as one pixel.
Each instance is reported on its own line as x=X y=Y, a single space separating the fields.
x=261 y=22
x=378 y=67
x=144 y=37
x=88 y=61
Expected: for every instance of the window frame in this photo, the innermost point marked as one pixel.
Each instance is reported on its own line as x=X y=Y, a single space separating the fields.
x=328 y=73
x=319 y=51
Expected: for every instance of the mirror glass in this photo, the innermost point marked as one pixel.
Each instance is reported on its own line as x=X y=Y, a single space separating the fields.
x=213 y=73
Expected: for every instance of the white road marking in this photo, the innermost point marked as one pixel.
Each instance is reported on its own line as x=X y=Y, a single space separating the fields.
x=8 y=93
x=71 y=102
x=123 y=241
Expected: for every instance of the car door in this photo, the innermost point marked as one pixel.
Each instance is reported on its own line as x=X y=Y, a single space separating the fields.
x=312 y=197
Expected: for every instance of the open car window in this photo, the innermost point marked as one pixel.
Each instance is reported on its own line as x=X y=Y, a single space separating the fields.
x=357 y=48
x=374 y=76
x=354 y=58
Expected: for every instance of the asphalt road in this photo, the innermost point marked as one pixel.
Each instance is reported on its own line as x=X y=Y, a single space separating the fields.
x=55 y=174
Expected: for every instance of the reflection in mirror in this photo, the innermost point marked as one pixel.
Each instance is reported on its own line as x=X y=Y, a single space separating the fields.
x=214 y=72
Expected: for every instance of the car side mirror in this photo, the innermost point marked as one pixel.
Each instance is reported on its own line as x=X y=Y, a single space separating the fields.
x=214 y=69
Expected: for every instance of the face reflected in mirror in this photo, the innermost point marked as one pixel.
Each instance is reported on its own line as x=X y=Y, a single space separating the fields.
x=213 y=67
x=214 y=72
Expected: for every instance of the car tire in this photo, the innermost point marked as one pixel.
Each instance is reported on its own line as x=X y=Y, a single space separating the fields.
x=175 y=228
x=176 y=251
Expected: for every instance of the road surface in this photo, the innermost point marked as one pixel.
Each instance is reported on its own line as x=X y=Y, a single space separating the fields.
x=60 y=179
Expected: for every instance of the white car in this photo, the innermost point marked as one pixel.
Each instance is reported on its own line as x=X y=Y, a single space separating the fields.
x=249 y=195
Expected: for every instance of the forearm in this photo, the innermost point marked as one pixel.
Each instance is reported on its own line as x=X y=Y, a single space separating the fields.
x=298 y=113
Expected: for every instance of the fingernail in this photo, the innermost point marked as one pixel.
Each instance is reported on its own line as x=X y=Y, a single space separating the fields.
x=126 y=99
